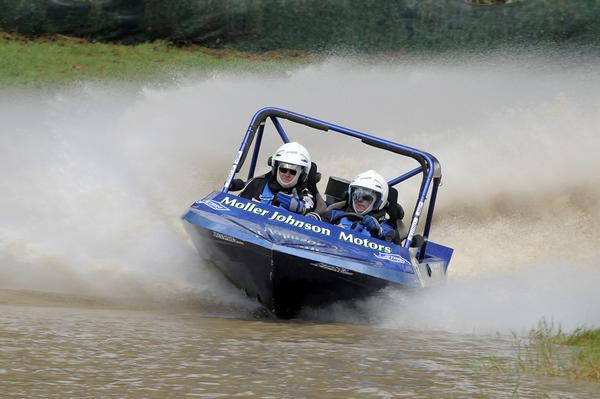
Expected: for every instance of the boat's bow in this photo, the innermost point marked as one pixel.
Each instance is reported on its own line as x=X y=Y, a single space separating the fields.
x=288 y=260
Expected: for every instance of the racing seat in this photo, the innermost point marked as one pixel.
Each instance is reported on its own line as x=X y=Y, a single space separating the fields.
x=396 y=214
x=313 y=178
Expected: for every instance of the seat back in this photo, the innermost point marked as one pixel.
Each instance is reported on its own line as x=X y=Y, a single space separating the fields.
x=336 y=190
x=313 y=175
x=393 y=208
x=396 y=213
x=311 y=183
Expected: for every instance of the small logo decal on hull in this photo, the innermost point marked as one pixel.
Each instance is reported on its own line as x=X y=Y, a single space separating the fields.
x=217 y=206
x=391 y=258
x=406 y=265
x=332 y=268
x=227 y=238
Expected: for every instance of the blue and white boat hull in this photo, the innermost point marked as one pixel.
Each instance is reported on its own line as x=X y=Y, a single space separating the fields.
x=288 y=261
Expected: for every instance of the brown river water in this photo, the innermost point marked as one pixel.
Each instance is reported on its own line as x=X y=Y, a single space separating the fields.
x=103 y=295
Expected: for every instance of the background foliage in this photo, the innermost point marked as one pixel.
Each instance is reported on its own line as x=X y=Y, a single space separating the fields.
x=362 y=25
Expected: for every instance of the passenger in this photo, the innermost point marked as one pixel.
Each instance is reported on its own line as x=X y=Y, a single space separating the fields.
x=365 y=208
x=286 y=185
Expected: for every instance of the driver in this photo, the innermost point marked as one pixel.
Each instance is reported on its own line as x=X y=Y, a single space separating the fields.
x=286 y=185
x=365 y=207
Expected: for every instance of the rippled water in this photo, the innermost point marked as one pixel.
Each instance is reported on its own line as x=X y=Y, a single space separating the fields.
x=103 y=295
x=79 y=352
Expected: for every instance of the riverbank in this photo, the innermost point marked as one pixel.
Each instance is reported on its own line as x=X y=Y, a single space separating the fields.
x=555 y=353
x=60 y=60
x=551 y=352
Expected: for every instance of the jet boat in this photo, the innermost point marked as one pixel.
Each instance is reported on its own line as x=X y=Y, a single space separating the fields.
x=288 y=261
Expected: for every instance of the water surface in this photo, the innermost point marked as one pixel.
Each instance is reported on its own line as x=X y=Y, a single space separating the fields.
x=103 y=295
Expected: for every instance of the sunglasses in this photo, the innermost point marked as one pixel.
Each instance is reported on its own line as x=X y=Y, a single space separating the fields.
x=286 y=170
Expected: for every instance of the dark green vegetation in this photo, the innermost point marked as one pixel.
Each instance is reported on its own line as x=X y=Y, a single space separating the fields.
x=314 y=25
x=59 y=60
x=551 y=352
x=164 y=35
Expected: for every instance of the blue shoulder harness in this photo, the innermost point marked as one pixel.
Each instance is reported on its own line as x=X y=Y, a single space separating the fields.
x=349 y=224
x=356 y=226
x=266 y=197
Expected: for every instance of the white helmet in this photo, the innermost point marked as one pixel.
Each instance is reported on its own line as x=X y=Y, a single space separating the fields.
x=292 y=154
x=369 y=182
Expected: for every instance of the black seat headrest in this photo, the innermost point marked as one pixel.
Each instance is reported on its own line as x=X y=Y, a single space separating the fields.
x=313 y=176
x=393 y=208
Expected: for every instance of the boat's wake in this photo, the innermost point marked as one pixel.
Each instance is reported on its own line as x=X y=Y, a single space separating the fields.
x=95 y=183
x=511 y=301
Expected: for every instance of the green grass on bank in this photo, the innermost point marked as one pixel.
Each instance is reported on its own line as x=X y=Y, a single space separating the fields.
x=551 y=352
x=59 y=60
x=582 y=347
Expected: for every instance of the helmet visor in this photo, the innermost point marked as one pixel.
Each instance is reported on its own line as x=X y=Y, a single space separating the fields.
x=363 y=194
x=363 y=200
x=290 y=168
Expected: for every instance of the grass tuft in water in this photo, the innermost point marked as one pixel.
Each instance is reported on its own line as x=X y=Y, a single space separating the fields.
x=549 y=351
x=552 y=352
x=542 y=352
x=586 y=359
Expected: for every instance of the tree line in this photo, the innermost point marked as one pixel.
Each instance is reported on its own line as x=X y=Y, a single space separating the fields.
x=312 y=25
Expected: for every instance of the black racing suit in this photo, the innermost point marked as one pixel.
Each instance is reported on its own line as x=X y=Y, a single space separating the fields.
x=256 y=187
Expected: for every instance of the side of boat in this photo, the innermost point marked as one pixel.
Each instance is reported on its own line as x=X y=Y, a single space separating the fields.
x=287 y=261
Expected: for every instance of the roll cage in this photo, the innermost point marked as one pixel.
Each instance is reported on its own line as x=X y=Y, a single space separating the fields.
x=429 y=168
